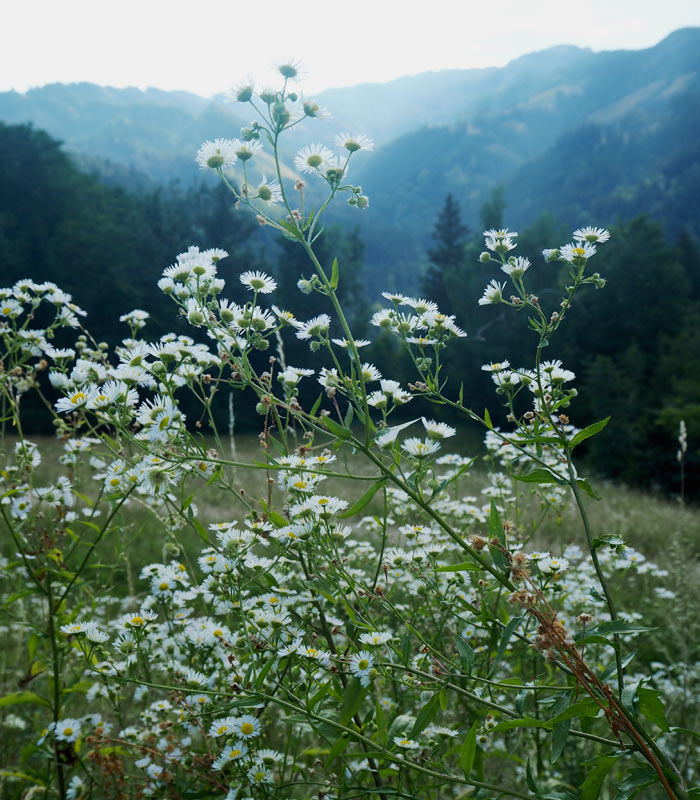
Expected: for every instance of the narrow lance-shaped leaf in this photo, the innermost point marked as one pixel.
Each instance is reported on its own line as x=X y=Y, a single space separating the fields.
x=591 y=430
x=358 y=505
x=503 y=643
x=468 y=751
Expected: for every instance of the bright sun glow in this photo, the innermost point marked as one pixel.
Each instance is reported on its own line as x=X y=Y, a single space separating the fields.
x=205 y=49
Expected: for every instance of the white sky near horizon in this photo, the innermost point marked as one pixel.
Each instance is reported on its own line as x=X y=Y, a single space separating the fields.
x=208 y=47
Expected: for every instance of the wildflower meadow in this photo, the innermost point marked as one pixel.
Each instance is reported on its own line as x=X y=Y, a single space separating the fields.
x=349 y=606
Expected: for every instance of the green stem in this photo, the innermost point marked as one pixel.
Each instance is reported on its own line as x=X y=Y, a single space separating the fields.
x=56 y=683
x=596 y=564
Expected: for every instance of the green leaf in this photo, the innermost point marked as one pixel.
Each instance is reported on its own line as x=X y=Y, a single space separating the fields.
x=357 y=506
x=487 y=419
x=200 y=530
x=353 y=696
x=315 y=407
x=465 y=566
x=591 y=430
x=495 y=530
x=468 y=750
x=405 y=648
x=317 y=697
x=349 y=415
x=503 y=643
x=587 y=488
x=349 y=609
x=16 y=698
x=696 y=734
x=617 y=627
x=338 y=748
x=653 y=709
x=635 y=781
x=611 y=669
x=590 y=788
x=560 y=730
x=263 y=673
x=466 y=654
x=584 y=708
x=523 y=722
x=380 y=719
x=425 y=716
x=530 y=778
x=335 y=429
x=277 y=519
x=495 y=525
x=540 y=476
x=335 y=276
x=215 y=476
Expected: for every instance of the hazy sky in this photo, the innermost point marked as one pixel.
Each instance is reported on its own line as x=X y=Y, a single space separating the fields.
x=206 y=47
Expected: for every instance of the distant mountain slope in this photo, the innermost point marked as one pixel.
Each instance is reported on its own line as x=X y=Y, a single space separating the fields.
x=128 y=134
x=632 y=114
x=587 y=136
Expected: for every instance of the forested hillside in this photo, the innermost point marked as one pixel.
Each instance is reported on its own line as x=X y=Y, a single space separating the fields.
x=555 y=140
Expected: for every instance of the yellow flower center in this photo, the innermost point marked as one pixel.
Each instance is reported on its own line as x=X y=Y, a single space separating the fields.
x=247 y=728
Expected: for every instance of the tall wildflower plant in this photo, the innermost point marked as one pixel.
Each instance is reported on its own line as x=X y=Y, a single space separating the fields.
x=399 y=638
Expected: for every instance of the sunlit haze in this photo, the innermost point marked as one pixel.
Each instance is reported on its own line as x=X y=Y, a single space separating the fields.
x=207 y=47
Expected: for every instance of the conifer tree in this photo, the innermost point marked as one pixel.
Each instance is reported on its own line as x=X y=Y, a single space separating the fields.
x=447 y=257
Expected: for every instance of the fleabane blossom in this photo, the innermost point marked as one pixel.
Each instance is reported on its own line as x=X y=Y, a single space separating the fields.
x=500 y=233
x=246 y=150
x=492 y=294
x=313 y=158
x=292 y=375
x=232 y=752
x=361 y=666
x=267 y=191
x=496 y=366
x=258 y=282
x=318 y=326
x=216 y=154
x=516 y=266
x=67 y=730
x=313 y=110
x=416 y=447
x=577 y=250
x=437 y=430
x=376 y=638
x=73 y=402
x=354 y=143
x=591 y=235
x=406 y=744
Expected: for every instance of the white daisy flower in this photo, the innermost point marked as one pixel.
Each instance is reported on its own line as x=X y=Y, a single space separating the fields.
x=361 y=666
x=492 y=294
x=415 y=447
x=354 y=143
x=217 y=154
x=591 y=235
x=246 y=150
x=258 y=282
x=577 y=250
x=437 y=430
x=314 y=327
x=406 y=744
x=312 y=158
